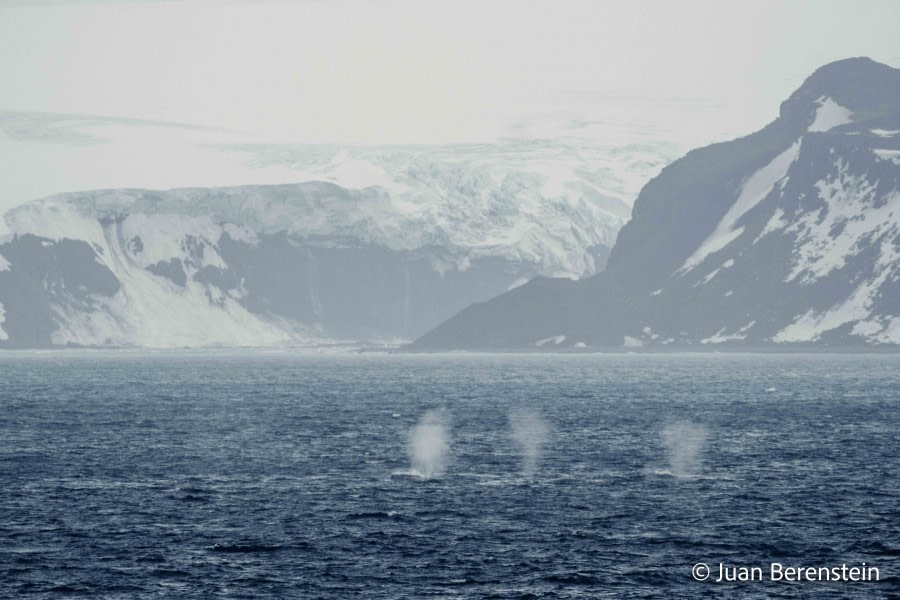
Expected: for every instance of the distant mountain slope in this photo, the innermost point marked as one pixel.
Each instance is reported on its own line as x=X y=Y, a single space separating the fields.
x=294 y=264
x=787 y=237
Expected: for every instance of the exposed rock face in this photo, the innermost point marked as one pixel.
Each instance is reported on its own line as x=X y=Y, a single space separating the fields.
x=788 y=237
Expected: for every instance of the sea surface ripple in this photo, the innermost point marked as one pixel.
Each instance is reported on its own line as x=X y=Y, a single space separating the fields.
x=280 y=475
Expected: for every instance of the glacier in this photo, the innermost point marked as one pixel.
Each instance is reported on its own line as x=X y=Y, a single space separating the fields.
x=378 y=248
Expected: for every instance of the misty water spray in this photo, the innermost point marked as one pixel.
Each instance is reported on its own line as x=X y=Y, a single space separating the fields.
x=429 y=445
x=684 y=442
x=530 y=432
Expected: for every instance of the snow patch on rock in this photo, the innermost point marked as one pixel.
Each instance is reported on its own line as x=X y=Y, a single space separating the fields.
x=848 y=223
x=879 y=330
x=810 y=326
x=887 y=155
x=649 y=331
x=890 y=334
x=776 y=222
x=556 y=339
x=709 y=277
x=518 y=283
x=721 y=337
x=725 y=265
x=754 y=190
x=632 y=342
x=829 y=115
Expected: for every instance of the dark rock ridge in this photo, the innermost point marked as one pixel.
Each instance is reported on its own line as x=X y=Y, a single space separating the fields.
x=786 y=238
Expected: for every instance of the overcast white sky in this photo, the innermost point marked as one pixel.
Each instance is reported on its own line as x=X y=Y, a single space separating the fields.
x=424 y=72
x=394 y=71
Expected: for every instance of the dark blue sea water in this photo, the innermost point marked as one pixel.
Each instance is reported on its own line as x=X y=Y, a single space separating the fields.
x=182 y=475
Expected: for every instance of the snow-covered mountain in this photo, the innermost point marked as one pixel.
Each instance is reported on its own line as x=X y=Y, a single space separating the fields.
x=410 y=239
x=788 y=237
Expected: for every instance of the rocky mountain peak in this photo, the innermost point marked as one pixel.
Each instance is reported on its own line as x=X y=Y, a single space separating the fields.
x=787 y=237
x=861 y=85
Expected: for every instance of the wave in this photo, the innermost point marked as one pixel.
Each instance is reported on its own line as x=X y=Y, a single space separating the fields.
x=244 y=548
x=390 y=515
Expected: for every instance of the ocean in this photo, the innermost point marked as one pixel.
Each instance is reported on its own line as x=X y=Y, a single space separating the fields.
x=288 y=475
